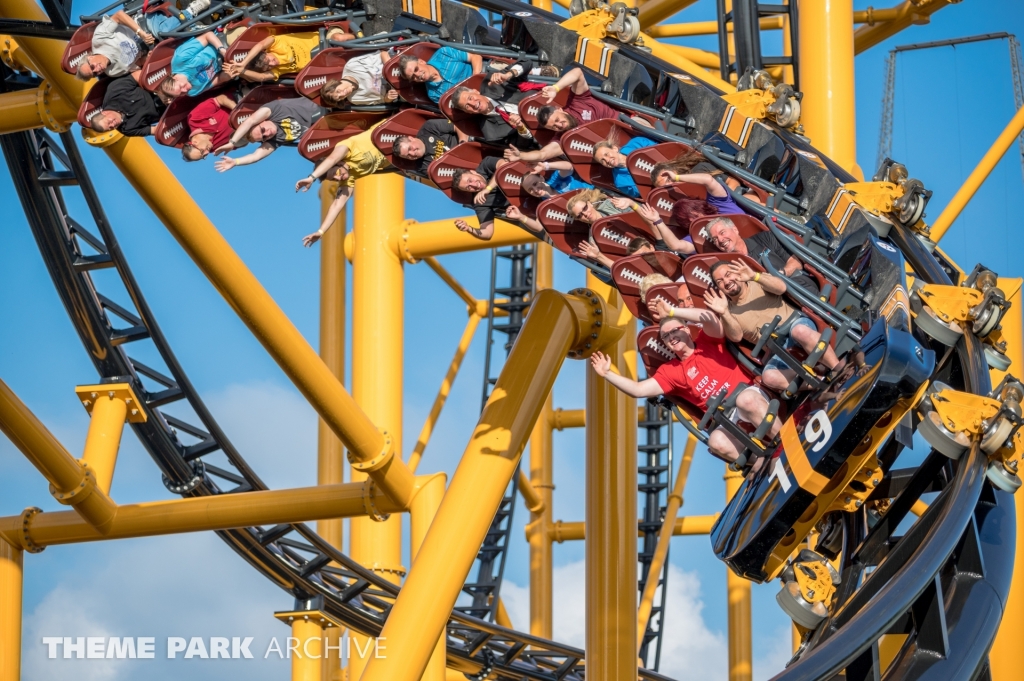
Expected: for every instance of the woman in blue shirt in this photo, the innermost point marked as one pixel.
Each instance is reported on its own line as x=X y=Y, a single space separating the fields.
x=610 y=155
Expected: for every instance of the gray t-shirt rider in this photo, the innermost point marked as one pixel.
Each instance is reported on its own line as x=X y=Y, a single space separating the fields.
x=118 y=44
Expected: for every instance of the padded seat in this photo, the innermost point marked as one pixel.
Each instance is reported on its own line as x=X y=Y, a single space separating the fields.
x=663 y=199
x=467 y=155
x=510 y=182
x=641 y=162
x=406 y=122
x=628 y=272
x=747 y=225
x=172 y=129
x=157 y=66
x=578 y=146
x=318 y=142
x=93 y=101
x=249 y=38
x=653 y=352
x=257 y=97
x=613 y=233
x=413 y=93
x=530 y=106
x=467 y=123
x=697 y=271
x=78 y=48
x=565 y=232
x=326 y=65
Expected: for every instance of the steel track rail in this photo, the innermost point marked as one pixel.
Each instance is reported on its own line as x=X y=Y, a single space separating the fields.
x=292 y=556
x=944 y=583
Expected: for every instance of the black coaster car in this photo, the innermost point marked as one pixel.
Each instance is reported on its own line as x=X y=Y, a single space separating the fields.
x=776 y=506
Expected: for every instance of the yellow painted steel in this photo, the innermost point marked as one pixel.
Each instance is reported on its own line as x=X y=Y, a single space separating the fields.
x=532 y=498
x=501 y=616
x=826 y=79
x=541 y=4
x=330 y=456
x=307 y=657
x=421 y=515
x=330 y=468
x=69 y=482
x=542 y=479
x=665 y=52
x=560 y=419
x=704 y=28
x=675 y=501
x=556 y=323
x=199 y=514
x=611 y=511
x=703 y=58
x=1004 y=658
x=655 y=11
x=691 y=525
x=414 y=241
x=368 y=448
x=473 y=306
x=443 y=392
x=898 y=18
x=977 y=177
x=441 y=237
x=45 y=54
x=378 y=311
x=29 y=109
x=109 y=406
x=741 y=666
x=11 y=589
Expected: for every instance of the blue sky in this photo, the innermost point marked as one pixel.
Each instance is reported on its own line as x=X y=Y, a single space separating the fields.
x=950 y=105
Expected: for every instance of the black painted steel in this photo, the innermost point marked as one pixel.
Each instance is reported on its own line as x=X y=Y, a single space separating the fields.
x=655 y=470
x=292 y=556
x=944 y=583
x=485 y=589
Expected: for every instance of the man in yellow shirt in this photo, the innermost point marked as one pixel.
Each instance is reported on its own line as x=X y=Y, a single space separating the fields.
x=351 y=159
x=280 y=55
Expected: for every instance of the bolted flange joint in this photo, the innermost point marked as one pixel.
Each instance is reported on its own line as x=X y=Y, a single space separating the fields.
x=387 y=452
x=26 y=534
x=370 y=502
x=81 y=492
x=597 y=327
x=391 y=475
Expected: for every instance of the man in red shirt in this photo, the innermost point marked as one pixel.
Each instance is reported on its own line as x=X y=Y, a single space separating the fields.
x=698 y=373
x=582 y=107
x=209 y=127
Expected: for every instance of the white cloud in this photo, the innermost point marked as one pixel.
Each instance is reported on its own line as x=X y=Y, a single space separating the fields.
x=690 y=650
x=773 y=660
x=273 y=428
x=187 y=585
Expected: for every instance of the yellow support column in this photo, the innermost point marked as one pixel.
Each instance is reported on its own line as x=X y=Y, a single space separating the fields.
x=11 y=581
x=421 y=515
x=1004 y=658
x=826 y=79
x=978 y=176
x=109 y=406
x=741 y=667
x=306 y=658
x=68 y=479
x=675 y=501
x=611 y=514
x=542 y=479
x=44 y=53
x=556 y=324
x=330 y=452
x=378 y=310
